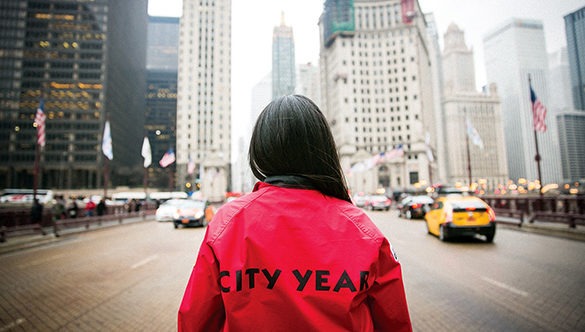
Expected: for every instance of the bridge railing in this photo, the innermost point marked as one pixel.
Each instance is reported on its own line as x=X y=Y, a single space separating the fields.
x=567 y=209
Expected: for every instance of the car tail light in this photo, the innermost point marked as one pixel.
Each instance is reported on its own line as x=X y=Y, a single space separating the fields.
x=448 y=216
x=492 y=214
x=416 y=206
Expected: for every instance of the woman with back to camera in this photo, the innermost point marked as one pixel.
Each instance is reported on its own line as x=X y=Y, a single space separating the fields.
x=295 y=254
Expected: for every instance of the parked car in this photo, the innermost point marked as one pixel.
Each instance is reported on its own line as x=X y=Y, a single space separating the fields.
x=193 y=213
x=379 y=202
x=360 y=200
x=167 y=209
x=456 y=215
x=415 y=206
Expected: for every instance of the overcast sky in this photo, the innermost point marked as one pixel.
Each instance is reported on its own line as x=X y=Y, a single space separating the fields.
x=254 y=20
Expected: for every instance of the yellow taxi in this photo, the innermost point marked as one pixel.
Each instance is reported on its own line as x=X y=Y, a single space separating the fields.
x=456 y=215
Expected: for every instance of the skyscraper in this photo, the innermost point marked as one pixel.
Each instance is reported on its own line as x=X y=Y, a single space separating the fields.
x=375 y=79
x=485 y=163
x=204 y=96
x=283 y=60
x=514 y=52
x=309 y=82
x=575 y=31
x=161 y=93
x=72 y=55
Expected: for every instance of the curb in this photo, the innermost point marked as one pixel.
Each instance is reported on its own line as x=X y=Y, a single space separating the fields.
x=18 y=243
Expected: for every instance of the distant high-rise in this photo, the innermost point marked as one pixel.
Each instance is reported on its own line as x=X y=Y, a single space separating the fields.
x=72 y=55
x=484 y=162
x=575 y=31
x=377 y=90
x=515 y=51
x=161 y=93
x=309 y=82
x=283 y=60
x=204 y=96
x=571 y=138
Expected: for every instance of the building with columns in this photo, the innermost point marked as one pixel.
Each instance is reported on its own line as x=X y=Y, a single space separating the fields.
x=204 y=97
x=484 y=163
x=376 y=91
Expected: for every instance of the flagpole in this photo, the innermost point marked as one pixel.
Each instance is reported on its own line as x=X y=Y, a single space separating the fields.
x=467 y=149
x=537 y=157
x=36 y=170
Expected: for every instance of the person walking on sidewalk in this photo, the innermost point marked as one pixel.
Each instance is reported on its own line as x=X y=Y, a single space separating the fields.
x=295 y=254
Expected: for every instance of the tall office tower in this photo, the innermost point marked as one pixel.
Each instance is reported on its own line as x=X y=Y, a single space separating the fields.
x=71 y=55
x=570 y=121
x=475 y=149
x=204 y=96
x=515 y=51
x=376 y=84
x=561 y=97
x=161 y=94
x=437 y=167
x=309 y=82
x=283 y=60
x=571 y=138
x=575 y=31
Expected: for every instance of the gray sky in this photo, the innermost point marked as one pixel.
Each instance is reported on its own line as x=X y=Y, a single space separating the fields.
x=254 y=20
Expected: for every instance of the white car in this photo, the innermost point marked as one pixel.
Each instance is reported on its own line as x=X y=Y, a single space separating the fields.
x=167 y=210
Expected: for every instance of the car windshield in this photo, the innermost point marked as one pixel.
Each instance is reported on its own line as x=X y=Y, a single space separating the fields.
x=378 y=198
x=188 y=204
x=465 y=204
x=172 y=202
x=422 y=199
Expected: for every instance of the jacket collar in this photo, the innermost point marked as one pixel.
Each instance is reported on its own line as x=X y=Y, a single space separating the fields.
x=286 y=181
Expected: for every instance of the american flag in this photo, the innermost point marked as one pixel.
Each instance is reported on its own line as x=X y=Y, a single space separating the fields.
x=190 y=166
x=538 y=112
x=40 y=118
x=167 y=159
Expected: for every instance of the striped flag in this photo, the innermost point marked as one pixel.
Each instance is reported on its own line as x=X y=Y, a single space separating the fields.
x=167 y=159
x=107 y=142
x=39 y=123
x=538 y=112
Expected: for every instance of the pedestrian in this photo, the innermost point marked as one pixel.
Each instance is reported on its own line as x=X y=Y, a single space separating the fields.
x=89 y=208
x=295 y=254
x=59 y=208
x=36 y=212
x=72 y=208
x=101 y=207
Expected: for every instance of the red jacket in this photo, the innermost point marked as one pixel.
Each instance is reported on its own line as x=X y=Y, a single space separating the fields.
x=296 y=260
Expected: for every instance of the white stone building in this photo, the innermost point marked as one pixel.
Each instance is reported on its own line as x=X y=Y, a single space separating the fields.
x=376 y=90
x=204 y=96
x=484 y=163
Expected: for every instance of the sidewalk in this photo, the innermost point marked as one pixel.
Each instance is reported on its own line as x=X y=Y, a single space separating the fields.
x=21 y=242
x=544 y=228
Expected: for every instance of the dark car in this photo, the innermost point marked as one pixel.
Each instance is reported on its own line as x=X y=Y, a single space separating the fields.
x=415 y=206
x=192 y=213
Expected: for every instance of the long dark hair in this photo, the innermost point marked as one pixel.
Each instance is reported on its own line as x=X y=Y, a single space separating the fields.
x=292 y=137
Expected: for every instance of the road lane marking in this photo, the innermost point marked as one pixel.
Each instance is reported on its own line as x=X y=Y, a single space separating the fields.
x=144 y=261
x=505 y=286
x=11 y=325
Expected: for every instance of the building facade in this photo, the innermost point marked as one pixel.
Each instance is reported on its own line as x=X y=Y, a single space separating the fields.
x=283 y=60
x=204 y=96
x=376 y=84
x=71 y=55
x=481 y=165
x=571 y=138
x=575 y=32
x=515 y=52
x=161 y=96
x=309 y=82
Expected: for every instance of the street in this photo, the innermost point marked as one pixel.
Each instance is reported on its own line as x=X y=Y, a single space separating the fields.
x=131 y=278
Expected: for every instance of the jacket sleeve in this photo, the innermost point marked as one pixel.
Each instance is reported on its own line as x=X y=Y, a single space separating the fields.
x=387 y=298
x=202 y=306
